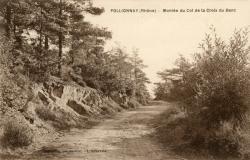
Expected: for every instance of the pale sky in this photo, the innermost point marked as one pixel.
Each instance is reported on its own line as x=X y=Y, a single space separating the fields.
x=162 y=37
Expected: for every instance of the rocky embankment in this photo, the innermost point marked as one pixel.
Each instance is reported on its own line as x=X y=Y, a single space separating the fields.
x=51 y=107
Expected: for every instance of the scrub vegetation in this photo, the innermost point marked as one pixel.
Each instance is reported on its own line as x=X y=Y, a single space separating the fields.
x=212 y=92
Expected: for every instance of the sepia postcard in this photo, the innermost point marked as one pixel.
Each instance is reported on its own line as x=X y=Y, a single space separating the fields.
x=124 y=80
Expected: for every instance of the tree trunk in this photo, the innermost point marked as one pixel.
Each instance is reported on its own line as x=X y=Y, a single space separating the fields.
x=60 y=54
x=46 y=42
x=8 y=20
x=60 y=41
x=41 y=30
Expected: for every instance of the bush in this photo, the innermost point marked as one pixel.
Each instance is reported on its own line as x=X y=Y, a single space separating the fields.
x=221 y=93
x=186 y=135
x=60 y=119
x=214 y=91
x=223 y=141
x=16 y=135
x=66 y=121
x=132 y=103
x=45 y=114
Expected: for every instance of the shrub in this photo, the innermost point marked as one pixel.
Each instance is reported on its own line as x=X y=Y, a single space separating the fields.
x=222 y=141
x=214 y=91
x=186 y=135
x=132 y=103
x=66 y=121
x=45 y=113
x=16 y=135
x=61 y=120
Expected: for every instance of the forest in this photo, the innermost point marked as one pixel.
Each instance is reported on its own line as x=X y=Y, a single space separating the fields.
x=50 y=38
x=49 y=52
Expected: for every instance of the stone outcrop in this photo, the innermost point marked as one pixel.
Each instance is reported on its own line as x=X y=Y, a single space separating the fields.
x=75 y=99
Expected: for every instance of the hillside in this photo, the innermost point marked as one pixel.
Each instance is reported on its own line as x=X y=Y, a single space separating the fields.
x=55 y=106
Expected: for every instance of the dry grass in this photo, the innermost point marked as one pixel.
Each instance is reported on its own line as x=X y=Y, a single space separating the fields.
x=174 y=131
x=16 y=135
x=60 y=119
x=45 y=113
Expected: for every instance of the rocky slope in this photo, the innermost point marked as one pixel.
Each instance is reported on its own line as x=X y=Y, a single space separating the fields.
x=53 y=106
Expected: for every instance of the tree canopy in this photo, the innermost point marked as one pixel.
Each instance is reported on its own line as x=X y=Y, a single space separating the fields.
x=52 y=38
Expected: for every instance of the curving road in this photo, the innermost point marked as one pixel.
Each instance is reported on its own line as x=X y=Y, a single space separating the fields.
x=127 y=136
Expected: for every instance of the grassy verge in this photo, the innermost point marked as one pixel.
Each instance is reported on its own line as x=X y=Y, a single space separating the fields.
x=174 y=129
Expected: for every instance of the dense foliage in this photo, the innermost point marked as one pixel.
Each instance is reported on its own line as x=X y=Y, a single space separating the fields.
x=52 y=38
x=114 y=73
x=213 y=90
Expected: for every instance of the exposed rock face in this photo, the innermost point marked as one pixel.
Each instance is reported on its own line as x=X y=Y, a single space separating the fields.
x=54 y=105
x=65 y=105
x=75 y=99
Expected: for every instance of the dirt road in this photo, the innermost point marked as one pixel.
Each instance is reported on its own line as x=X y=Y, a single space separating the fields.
x=127 y=136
